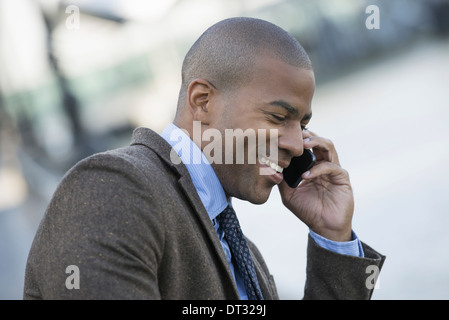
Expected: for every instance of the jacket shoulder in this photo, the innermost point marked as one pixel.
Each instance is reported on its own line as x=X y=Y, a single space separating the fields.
x=138 y=161
x=108 y=207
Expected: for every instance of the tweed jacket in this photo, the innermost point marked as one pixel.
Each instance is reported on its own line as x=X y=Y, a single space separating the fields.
x=133 y=225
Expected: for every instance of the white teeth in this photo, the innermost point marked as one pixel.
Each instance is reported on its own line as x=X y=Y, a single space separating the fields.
x=273 y=165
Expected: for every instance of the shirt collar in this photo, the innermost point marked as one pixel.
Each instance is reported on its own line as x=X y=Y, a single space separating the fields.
x=203 y=175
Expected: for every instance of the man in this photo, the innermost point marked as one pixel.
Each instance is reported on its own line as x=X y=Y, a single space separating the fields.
x=149 y=222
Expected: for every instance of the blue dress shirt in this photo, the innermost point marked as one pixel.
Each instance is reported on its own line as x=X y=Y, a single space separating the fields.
x=214 y=199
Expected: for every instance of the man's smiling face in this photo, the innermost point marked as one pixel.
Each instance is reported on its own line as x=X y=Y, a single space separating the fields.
x=278 y=97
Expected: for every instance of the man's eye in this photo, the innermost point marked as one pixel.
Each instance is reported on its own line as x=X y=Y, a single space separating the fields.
x=278 y=118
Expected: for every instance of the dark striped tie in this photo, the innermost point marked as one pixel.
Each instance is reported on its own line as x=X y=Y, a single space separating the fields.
x=240 y=251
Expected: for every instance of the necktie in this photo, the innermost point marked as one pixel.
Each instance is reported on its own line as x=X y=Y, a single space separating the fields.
x=240 y=251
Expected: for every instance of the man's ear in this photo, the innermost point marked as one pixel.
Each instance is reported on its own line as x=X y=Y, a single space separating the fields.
x=199 y=95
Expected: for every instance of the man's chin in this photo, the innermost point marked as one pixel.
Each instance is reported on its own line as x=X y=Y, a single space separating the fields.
x=259 y=201
x=257 y=197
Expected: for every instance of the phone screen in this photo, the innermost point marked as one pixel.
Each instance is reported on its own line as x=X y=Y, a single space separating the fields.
x=298 y=165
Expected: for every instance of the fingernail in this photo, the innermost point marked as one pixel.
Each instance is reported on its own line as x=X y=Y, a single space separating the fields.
x=306 y=139
x=306 y=174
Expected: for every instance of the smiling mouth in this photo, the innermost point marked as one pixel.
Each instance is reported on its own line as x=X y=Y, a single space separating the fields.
x=273 y=165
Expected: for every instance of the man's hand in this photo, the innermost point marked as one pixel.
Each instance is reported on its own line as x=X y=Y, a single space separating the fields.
x=324 y=200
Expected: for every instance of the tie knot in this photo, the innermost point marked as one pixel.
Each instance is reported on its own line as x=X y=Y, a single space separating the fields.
x=228 y=219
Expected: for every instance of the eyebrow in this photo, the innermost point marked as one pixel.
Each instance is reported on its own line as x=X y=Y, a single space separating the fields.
x=290 y=109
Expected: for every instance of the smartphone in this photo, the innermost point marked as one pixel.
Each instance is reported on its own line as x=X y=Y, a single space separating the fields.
x=298 y=165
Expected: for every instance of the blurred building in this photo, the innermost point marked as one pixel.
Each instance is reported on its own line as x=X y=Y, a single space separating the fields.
x=77 y=76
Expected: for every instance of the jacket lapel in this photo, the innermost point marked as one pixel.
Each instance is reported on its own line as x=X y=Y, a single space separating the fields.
x=155 y=142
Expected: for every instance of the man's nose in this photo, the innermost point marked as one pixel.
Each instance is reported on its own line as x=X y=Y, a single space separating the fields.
x=291 y=140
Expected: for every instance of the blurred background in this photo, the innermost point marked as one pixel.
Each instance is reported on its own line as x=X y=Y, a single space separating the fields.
x=76 y=77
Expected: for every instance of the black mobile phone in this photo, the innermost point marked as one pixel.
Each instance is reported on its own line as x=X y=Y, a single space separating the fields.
x=298 y=165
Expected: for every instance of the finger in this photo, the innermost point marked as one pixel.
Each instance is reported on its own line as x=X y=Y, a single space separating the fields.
x=334 y=173
x=323 y=148
x=307 y=133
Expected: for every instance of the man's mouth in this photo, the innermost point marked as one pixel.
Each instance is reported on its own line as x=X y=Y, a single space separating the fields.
x=273 y=165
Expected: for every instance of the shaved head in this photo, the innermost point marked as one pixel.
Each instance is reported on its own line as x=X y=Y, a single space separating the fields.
x=246 y=75
x=225 y=54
